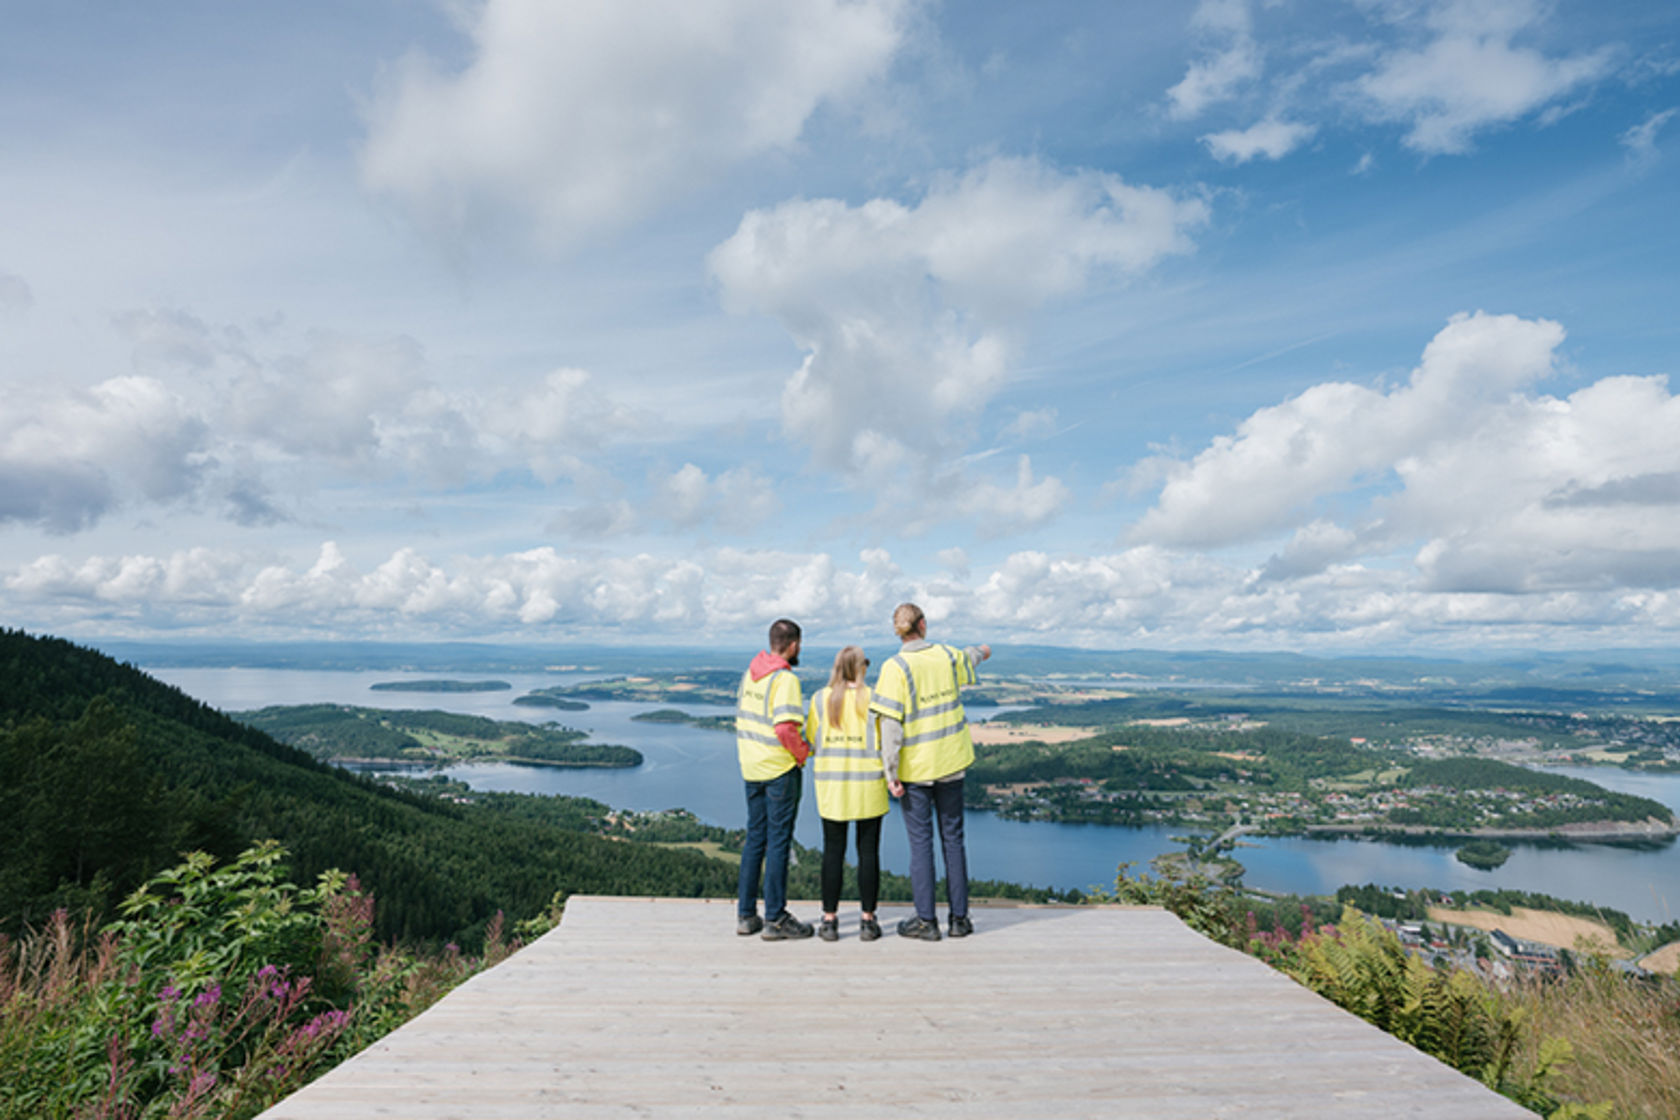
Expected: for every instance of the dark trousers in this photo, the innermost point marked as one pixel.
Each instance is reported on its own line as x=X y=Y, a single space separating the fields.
x=772 y=807
x=922 y=804
x=834 y=863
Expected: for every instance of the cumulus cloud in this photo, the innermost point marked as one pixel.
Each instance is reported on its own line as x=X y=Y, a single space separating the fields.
x=1271 y=138
x=907 y=313
x=1466 y=476
x=1471 y=74
x=1144 y=594
x=68 y=457
x=213 y=423
x=587 y=114
x=1285 y=458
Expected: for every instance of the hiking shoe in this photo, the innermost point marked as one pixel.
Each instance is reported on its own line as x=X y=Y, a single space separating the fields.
x=829 y=930
x=960 y=927
x=869 y=929
x=749 y=925
x=919 y=928
x=787 y=928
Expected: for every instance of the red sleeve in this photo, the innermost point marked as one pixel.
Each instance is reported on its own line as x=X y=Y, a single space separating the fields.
x=795 y=743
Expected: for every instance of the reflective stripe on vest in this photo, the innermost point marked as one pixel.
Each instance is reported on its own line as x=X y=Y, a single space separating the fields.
x=846 y=762
x=926 y=690
x=759 y=707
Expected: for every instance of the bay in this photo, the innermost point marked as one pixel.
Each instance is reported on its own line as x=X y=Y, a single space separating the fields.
x=689 y=768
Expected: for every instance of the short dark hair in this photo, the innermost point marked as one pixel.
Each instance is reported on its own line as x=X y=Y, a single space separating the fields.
x=783 y=633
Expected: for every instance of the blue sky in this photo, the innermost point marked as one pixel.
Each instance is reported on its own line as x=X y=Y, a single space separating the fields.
x=1334 y=325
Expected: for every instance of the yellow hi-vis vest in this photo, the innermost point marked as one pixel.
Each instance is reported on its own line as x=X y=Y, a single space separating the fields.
x=761 y=705
x=920 y=689
x=846 y=760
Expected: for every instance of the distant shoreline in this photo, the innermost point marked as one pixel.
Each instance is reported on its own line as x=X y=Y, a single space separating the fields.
x=1586 y=832
x=446 y=763
x=440 y=686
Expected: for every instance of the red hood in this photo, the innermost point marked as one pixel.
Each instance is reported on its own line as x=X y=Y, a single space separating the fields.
x=765 y=664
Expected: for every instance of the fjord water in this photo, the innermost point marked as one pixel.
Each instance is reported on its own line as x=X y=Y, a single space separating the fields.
x=689 y=768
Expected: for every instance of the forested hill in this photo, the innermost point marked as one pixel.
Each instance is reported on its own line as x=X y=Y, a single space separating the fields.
x=106 y=775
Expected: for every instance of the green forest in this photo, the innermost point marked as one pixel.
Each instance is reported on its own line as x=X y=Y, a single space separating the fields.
x=107 y=776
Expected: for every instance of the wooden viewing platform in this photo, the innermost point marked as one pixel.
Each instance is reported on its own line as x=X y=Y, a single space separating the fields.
x=654 y=1007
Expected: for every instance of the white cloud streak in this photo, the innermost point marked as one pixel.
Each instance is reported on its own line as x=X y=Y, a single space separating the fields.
x=1641 y=139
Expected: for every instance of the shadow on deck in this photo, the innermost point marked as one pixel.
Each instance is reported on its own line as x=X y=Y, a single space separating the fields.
x=653 y=1007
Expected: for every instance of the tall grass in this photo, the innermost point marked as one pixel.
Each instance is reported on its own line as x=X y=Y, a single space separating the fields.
x=1624 y=1037
x=1594 y=1044
x=220 y=991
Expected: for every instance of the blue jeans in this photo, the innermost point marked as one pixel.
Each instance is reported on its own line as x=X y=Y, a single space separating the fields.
x=772 y=807
x=921 y=804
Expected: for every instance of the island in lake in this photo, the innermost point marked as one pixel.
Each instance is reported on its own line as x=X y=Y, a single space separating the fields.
x=340 y=733
x=440 y=686
x=672 y=715
x=545 y=698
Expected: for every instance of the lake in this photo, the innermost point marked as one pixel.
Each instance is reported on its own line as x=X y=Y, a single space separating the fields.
x=693 y=769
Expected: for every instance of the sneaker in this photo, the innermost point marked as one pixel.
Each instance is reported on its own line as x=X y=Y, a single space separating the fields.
x=919 y=928
x=960 y=927
x=869 y=929
x=787 y=928
x=829 y=930
x=749 y=925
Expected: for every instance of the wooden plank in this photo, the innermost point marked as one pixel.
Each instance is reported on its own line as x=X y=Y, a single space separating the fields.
x=653 y=1007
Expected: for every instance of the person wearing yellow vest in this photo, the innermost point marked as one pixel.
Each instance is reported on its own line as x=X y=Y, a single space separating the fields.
x=846 y=770
x=769 y=719
x=925 y=752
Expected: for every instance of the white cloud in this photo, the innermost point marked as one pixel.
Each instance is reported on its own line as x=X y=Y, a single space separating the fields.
x=1146 y=594
x=67 y=458
x=214 y=424
x=1028 y=504
x=1471 y=75
x=1030 y=424
x=1641 y=139
x=906 y=313
x=737 y=500
x=1285 y=458
x=1271 y=138
x=587 y=114
x=552 y=426
x=1465 y=477
x=1221 y=72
